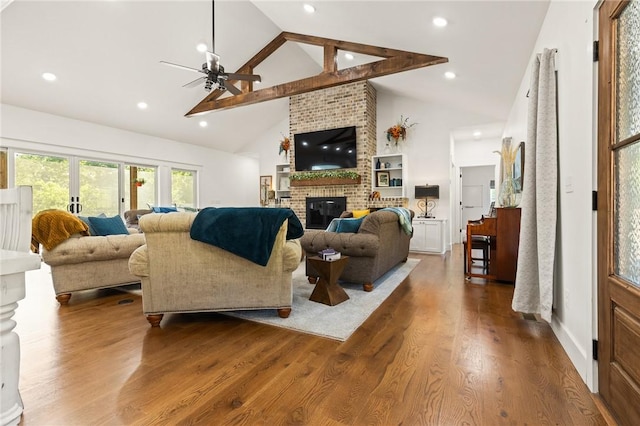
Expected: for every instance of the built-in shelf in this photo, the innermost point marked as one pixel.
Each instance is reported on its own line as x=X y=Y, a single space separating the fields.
x=282 y=181
x=389 y=175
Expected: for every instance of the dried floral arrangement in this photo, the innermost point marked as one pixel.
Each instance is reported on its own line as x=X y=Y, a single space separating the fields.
x=399 y=131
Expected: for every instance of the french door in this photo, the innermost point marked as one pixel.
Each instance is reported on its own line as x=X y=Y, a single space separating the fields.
x=84 y=186
x=619 y=209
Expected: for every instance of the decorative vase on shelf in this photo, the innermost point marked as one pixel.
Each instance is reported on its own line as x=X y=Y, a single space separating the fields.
x=387 y=148
x=508 y=196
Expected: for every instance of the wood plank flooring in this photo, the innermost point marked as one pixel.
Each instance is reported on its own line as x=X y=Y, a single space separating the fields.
x=439 y=351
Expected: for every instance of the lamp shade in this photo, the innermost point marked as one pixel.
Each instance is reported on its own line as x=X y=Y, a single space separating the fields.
x=427 y=191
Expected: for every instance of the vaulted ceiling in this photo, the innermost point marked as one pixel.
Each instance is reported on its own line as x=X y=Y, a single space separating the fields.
x=106 y=56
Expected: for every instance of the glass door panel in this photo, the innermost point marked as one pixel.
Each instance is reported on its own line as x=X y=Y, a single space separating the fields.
x=99 y=190
x=49 y=177
x=139 y=188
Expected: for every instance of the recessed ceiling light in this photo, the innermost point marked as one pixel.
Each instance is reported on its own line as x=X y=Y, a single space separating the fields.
x=450 y=75
x=348 y=56
x=477 y=134
x=203 y=123
x=439 y=22
x=49 y=76
x=201 y=47
x=309 y=9
x=142 y=105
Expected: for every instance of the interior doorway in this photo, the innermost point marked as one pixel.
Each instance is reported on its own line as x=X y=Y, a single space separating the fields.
x=477 y=192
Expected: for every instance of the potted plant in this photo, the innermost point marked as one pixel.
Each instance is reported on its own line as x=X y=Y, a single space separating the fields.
x=138 y=181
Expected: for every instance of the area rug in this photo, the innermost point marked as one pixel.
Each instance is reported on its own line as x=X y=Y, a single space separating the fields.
x=335 y=322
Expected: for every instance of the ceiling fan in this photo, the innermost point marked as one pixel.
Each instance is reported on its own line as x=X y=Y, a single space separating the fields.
x=214 y=74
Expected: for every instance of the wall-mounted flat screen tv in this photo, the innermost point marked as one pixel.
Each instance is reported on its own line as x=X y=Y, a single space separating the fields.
x=326 y=149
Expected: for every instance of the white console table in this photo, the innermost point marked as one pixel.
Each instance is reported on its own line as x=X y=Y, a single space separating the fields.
x=13 y=265
x=428 y=235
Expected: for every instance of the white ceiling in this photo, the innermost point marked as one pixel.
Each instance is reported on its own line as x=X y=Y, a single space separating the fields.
x=106 y=56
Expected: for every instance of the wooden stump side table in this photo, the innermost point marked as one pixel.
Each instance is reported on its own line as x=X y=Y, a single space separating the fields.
x=327 y=289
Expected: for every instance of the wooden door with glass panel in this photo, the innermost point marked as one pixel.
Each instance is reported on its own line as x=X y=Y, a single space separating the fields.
x=619 y=209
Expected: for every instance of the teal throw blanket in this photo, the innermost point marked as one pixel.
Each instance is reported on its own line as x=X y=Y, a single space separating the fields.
x=404 y=217
x=249 y=232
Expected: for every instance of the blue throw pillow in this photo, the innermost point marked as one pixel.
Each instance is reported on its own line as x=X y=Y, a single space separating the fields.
x=349 y=225
x=85 y=219
x=108 y=226
x=164 y=209
x=333 y=225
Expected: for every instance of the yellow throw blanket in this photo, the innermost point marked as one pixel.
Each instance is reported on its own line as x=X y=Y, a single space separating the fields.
x=51 y=227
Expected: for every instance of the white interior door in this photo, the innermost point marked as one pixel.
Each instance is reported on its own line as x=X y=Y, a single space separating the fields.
x=475 y=192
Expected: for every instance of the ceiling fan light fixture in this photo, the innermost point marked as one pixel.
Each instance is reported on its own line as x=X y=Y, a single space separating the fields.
x=49 y=76
x=309 y=8
x=440 y=22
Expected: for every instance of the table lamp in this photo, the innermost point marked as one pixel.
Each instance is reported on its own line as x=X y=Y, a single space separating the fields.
x=426 y=196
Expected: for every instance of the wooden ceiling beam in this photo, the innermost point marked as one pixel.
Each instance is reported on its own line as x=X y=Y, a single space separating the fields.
x=394 y=61
x=321 y=81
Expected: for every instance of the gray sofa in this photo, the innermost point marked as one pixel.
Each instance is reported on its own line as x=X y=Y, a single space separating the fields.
x=379 y=245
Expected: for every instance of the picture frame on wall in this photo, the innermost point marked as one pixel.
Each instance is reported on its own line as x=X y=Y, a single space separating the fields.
x=265 y=187
x=382 y=178
x=518 y=168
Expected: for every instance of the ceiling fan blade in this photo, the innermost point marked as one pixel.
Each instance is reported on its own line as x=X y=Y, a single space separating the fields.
x=230 y=87
x=213 y=62
x=181 y=66
x=246 y=77
x=196 y=82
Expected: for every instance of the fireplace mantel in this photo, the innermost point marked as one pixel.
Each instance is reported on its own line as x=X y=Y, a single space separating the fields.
x=326 y=181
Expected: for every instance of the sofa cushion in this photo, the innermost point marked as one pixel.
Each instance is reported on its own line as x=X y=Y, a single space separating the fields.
x=108 y=226
x=164 y=209
x=349 y=225
x=360 y=213
x=85 y=219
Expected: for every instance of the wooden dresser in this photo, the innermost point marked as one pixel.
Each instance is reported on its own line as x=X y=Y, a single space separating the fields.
x=504 y=230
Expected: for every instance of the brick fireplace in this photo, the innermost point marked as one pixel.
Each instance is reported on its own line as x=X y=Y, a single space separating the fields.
x=351 y=104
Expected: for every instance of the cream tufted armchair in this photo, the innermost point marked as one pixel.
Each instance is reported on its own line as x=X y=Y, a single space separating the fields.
x=182 y=275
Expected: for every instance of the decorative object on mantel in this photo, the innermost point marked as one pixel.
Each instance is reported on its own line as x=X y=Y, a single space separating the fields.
x=509 y=195
x=398 y=132
x=285 y=145
x=139 y=181
x=328 y=177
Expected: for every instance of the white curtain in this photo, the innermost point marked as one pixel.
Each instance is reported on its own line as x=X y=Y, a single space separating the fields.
x=536 y=256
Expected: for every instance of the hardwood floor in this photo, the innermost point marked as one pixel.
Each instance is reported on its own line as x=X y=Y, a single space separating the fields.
x=439 y=351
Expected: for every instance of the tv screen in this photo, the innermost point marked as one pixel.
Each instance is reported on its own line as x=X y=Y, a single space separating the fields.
x=326 y=149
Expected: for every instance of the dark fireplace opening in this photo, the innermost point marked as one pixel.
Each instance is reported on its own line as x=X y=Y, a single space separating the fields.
x=321 y=210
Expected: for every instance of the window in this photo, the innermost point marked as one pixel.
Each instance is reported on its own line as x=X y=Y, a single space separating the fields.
x=183 y=188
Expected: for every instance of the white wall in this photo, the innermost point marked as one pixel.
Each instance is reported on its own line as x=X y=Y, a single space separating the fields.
x=428 y=147
x=568 y=27
x=224 y=179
